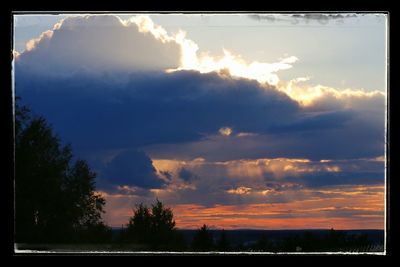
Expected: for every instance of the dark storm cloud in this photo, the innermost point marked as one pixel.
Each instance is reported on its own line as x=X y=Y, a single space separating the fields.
x=93 y=111
x=132 y=168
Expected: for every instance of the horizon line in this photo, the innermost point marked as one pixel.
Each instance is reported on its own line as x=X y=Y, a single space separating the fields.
x=257 y=229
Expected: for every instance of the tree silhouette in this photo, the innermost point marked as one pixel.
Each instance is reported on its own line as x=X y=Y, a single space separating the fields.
x=203 y=239
x=154 y=228
x=84 y=205
x=163 y=224
x=139 y=225
x=55 y=202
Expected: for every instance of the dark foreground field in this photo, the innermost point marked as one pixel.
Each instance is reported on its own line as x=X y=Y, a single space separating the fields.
x=243 y=241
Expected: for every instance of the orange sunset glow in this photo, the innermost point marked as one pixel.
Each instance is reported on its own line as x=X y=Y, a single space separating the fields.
x=320 y=209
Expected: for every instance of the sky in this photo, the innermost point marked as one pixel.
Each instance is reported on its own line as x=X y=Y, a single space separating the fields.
x=256 y=121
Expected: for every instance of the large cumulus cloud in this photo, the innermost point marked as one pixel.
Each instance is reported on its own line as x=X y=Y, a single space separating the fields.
x=102 y=84
x=96 y=43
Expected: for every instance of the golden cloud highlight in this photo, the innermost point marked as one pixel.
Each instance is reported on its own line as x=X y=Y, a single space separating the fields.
x=307 y=95
x=242 y=190
x=225 y=131
x=229 y=63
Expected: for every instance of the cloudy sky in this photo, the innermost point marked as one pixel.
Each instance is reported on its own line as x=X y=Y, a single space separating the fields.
x=267 y=121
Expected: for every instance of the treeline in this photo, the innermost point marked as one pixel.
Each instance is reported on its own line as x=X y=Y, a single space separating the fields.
x=308 y=241
x=154 y=229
